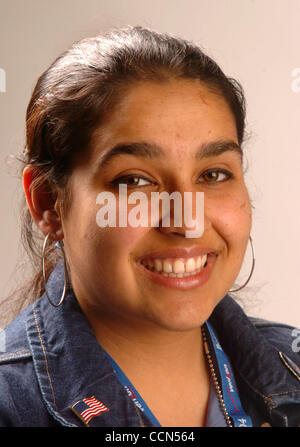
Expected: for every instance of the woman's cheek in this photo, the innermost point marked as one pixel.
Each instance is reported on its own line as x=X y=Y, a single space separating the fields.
x=234 y=218
x=126 y=238
x=119 y=243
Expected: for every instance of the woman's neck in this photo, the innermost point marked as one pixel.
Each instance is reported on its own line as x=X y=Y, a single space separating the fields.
x=168 y=368
x=137 y=346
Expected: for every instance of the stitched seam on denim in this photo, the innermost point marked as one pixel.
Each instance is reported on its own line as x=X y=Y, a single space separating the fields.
x=288 y=366
x=15 y=355
x=267 y=399
x=271 y=325
x=285 y=392
x=45 y=356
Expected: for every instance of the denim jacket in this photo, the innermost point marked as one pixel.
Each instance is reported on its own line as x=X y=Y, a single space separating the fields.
x=51 y=360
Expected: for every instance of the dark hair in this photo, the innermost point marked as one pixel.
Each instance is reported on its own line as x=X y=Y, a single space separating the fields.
x=81 y=86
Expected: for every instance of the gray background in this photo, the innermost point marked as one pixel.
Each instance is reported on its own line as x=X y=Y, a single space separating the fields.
x=258 y=42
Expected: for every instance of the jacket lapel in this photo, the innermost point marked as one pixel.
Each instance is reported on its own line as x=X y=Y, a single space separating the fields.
x=71 y=366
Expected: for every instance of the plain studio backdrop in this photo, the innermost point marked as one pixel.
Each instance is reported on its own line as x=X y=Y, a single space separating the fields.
x=255 y=41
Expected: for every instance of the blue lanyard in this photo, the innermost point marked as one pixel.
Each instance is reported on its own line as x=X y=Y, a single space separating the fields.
x=229 y=389
x=132 y=392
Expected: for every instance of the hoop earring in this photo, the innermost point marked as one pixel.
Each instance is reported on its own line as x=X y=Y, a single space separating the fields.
x=252 y=268
x=60 y=245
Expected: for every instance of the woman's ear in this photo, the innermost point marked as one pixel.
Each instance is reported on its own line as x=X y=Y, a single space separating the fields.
x=42 y=203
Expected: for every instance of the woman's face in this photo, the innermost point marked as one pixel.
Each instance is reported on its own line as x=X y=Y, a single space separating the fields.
x=111 y=267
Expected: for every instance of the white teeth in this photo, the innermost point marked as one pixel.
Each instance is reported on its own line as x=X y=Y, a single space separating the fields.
x=167 y=267
x=158 y=265
x=179 y=268
x=181 y=275
x=190 y=265
x=198 y=262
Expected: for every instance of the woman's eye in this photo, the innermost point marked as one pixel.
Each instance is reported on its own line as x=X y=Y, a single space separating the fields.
x=131 y=181
x=216 y=176
x=137 y=181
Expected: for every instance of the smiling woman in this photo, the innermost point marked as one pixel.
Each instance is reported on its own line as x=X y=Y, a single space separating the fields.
x=124 y=317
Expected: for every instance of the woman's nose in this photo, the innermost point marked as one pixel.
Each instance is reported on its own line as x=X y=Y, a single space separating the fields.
x=186 y=215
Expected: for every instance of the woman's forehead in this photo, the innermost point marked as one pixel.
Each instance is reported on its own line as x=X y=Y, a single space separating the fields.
x=144 y=99
x=167 y=113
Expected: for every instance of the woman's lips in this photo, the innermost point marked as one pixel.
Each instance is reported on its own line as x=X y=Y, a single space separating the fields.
x=184 y=280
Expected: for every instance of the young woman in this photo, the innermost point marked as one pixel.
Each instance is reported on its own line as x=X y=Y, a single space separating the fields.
x=135 y=325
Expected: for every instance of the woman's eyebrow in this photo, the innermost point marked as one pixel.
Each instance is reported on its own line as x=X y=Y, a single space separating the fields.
x=215 y=148
x=153 y=151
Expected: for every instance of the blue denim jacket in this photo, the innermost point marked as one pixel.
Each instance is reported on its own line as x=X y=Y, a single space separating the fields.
x=52 y=360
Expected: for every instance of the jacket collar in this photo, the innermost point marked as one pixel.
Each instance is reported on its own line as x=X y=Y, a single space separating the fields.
x=71 y=365
x=258 y=358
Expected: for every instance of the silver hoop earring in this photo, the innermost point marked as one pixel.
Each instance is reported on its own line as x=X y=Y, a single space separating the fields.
x=252 y=268
x=60 y=245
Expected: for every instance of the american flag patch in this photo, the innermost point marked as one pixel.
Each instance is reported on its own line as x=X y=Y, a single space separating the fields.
x=88 y=408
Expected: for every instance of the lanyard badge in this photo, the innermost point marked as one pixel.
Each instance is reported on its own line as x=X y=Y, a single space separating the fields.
x=229 y=389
